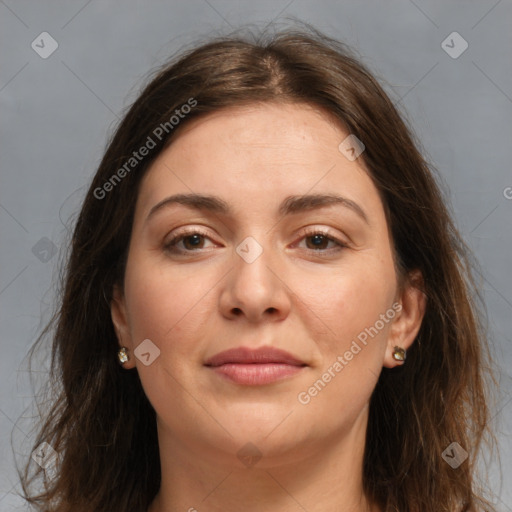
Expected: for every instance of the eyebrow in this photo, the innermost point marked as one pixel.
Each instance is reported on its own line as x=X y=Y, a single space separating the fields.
x=290 y=205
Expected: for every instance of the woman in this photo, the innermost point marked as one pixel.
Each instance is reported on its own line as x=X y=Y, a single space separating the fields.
x=265 y=252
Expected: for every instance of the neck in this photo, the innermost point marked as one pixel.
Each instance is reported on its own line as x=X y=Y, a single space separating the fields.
x=323 y=475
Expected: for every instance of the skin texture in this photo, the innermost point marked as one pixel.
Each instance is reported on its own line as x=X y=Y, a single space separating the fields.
x=210 y=299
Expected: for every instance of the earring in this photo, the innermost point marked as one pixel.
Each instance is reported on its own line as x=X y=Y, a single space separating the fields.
x=399 y=354
x=122 y=355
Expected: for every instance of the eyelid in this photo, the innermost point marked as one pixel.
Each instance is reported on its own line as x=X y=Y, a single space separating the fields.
x=312 y=230
x=187 y=231
x=302 y=234
x=315 y=230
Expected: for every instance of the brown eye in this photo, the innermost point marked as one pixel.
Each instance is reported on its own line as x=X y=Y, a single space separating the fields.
x=191 y=241
x=318 y=241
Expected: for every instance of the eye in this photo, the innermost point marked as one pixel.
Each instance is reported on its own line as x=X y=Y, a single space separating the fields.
x=192 y=239
x=319 y=241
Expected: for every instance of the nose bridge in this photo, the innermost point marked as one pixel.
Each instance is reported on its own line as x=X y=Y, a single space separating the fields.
x=252 y=270
x=254 y=287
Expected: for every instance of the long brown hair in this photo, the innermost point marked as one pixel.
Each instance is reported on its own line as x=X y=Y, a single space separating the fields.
x=440 y=396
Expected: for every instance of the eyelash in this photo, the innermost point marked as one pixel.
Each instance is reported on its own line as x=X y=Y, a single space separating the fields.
x=170 y=245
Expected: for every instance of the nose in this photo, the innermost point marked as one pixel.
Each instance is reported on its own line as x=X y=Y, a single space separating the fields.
x=255 y=289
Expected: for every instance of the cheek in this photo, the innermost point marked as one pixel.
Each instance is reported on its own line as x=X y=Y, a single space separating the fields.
x=163 y=306
x=353 y=351
x=160 y=303
x=353 y=347
x=351 y=299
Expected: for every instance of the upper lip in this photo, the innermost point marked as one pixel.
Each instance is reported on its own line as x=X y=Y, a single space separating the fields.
x=262 y=355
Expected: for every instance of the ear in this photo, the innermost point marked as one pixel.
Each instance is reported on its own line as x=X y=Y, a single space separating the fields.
x=121 y=324
x=407 y=322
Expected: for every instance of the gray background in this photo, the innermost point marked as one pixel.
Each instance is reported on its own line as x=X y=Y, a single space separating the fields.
x=57 y=113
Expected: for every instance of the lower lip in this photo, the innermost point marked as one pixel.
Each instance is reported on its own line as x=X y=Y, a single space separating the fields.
x=255 y=374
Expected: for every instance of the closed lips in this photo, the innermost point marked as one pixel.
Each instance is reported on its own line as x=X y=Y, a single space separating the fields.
x=263 y=355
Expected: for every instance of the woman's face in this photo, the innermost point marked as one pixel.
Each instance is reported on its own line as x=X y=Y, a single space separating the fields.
x=266 y=261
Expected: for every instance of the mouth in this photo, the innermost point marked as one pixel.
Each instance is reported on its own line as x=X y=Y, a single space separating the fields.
x=255 y=367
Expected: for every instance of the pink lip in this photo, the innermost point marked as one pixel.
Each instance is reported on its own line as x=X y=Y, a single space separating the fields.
x=255 y=367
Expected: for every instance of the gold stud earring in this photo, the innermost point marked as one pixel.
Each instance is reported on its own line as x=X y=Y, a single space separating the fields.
x=122 y=355
x=399 y=354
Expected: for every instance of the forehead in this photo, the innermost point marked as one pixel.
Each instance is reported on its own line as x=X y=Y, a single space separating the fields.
x=264 y=126
x=258 y=152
